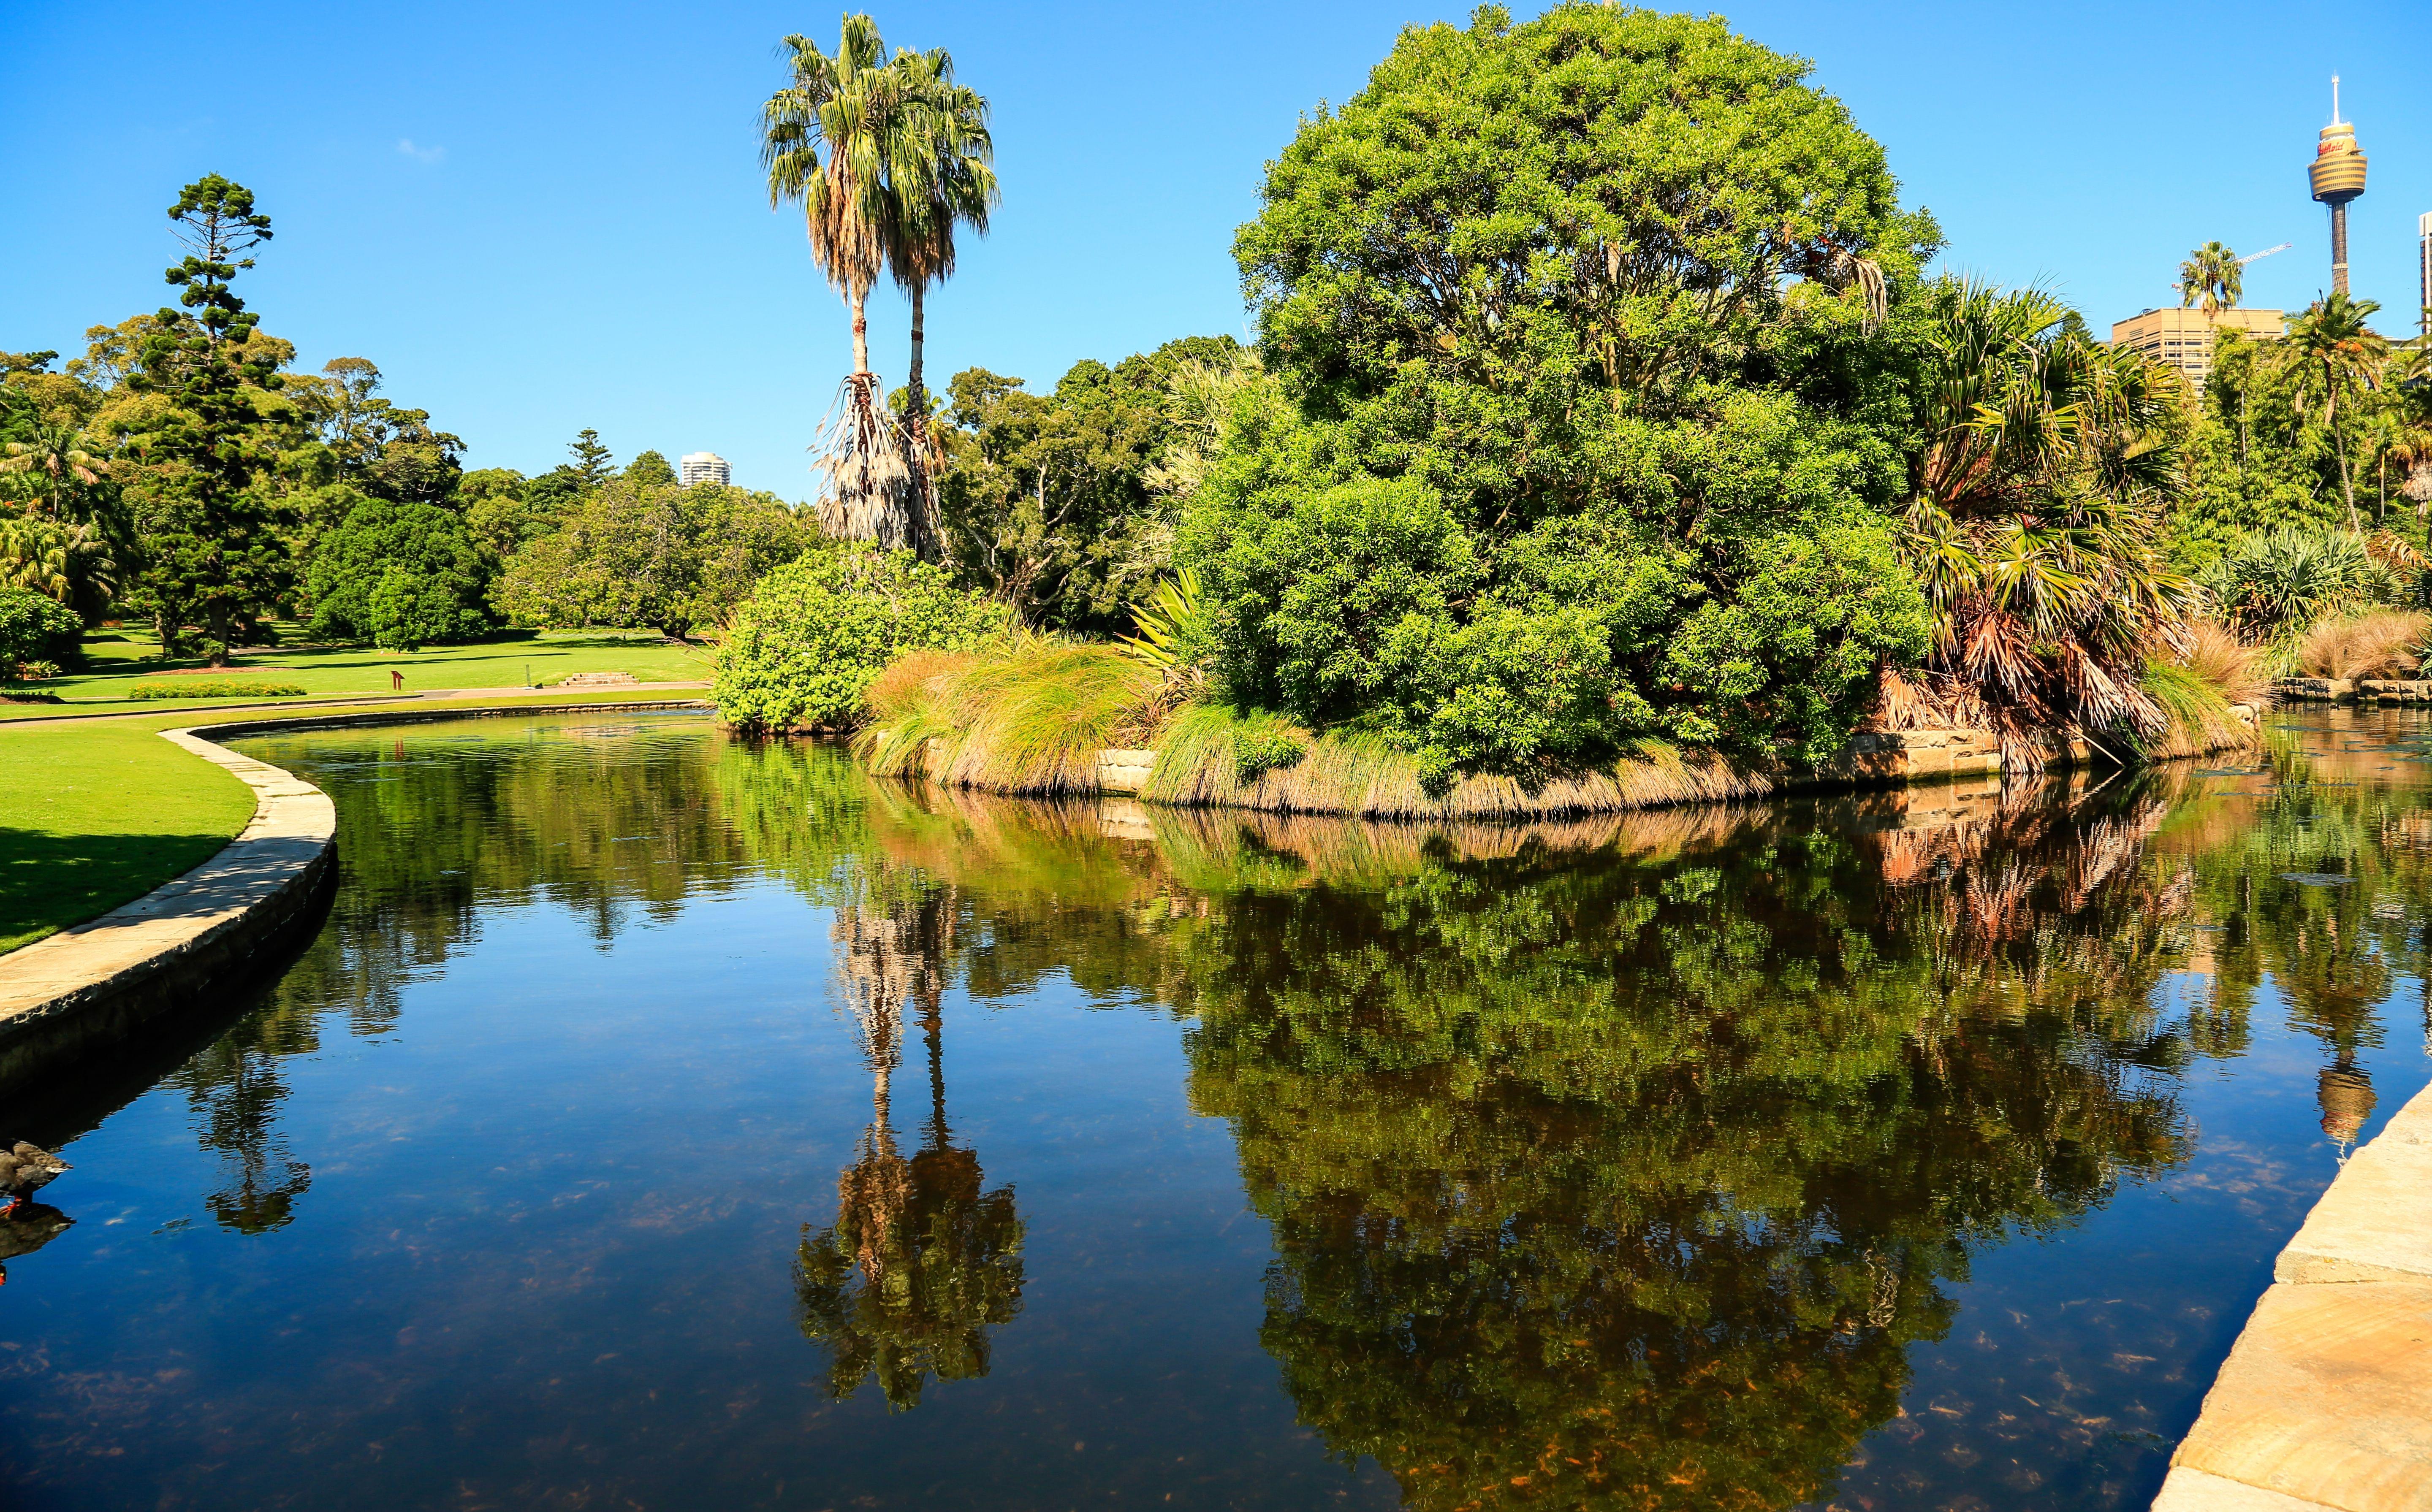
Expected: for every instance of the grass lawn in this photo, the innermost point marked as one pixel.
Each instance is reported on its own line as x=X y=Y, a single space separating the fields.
x=93 y=815
x=117 y=659
x=95 y=812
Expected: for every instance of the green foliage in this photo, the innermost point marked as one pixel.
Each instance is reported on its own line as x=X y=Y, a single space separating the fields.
x=1543 y=391
x=650 y=470
x=1172 y=629
x=1045 y=499
x=211 y=552
x=401 y=576
x=2276 y=584
x=2037 y=527
x=35 y=627
x=652 y=554
x=802 y=648
x=212 y=688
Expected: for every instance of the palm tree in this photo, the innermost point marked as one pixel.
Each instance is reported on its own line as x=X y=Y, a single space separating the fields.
x=2035 y=522
x=2213 y=273
x=945 y=181
x=54 y=456
x=827 y=142
x=2335 y=353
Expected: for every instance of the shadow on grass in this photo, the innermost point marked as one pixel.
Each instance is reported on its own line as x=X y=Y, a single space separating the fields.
x=52 y=881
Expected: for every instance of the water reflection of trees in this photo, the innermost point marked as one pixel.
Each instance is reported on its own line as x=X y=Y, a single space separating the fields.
x=1612 y=1163
x=920 y=1263
x=433 y=828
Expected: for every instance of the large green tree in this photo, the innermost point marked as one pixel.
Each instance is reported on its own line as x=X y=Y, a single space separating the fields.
x=212 y=554
x=652 y=553
x=398 y=575
x=1590 y=413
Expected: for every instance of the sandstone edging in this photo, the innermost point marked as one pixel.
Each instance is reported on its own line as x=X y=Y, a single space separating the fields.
x=96 y=983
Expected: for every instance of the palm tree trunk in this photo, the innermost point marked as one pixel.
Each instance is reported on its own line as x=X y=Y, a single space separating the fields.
x=919 y=334
x=916 y=451
x=2347 y=484
x=861 y=330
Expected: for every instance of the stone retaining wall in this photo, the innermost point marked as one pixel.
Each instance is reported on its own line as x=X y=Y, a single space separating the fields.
x=2325 y=1401
x=85 y=989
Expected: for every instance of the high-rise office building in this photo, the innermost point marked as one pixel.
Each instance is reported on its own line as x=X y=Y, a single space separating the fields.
x=2183 y=338
x=2337 y=177
x=705 y=467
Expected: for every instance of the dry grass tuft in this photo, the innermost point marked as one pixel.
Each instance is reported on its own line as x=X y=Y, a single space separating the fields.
x=2376 y=644
x=2216 y=655
x=1352 y=773
x=1029 y=717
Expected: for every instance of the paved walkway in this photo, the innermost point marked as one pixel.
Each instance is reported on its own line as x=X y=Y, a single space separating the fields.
x=188 y=919
x=332 y=700
x=2325 y=1402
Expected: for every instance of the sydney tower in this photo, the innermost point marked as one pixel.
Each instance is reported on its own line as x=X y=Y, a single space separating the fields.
x=2339 y=176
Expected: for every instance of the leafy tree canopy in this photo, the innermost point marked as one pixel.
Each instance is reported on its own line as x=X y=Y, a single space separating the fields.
x=1575 y=330
x=399 y=575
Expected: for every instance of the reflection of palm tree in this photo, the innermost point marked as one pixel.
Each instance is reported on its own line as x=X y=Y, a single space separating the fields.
x=938 y=1260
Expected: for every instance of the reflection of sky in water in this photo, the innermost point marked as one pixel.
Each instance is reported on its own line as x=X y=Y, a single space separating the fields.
x=496 y=1198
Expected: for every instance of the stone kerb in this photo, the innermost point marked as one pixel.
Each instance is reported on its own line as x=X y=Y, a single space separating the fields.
x=86 y=987
x=96 y=981
x=2325 y=1401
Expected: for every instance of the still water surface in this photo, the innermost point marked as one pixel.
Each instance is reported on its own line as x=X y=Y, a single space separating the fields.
x=662 y=1121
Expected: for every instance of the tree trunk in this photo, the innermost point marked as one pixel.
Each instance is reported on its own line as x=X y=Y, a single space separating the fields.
x=2347 y=484
x=916 y=431
x=861 y=330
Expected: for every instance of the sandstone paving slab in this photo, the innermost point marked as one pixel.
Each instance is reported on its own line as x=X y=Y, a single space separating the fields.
x=2375 y=1222
x=2193 y=1490
x=2327 y=1398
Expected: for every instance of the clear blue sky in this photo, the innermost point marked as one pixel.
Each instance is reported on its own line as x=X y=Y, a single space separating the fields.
x=537 y=218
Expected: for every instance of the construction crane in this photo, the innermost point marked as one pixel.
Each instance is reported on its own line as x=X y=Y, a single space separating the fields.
x=2251 y=257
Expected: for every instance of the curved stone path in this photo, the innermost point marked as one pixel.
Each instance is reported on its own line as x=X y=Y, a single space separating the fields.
x=80 y=990
x=95 y=982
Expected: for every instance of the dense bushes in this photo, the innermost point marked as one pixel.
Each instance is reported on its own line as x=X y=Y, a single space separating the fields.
x=1552 y=458
x=401 y=576
x=643 y=551
x=35 y=629
x=801 y=651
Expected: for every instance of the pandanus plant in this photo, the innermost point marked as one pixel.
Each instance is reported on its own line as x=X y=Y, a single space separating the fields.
x=2035 y=522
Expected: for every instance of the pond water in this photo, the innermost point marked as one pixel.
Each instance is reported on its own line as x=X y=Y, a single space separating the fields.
x=664 y=1121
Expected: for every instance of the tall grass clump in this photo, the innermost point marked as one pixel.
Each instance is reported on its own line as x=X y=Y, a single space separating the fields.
x=2380 y=643
x=1029 y=715
x=2239 y=670
x=1211 y=755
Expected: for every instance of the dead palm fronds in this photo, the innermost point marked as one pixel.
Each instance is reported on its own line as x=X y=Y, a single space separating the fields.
x=2035 y=524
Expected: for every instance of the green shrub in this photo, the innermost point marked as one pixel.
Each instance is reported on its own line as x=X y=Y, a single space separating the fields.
x=35 y=627
x=401 y=576
x=801 y=650
x=210 y=688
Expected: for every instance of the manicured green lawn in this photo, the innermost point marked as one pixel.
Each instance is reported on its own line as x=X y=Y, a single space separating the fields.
x=118 y=660
x=93 y=815
x=95 y=812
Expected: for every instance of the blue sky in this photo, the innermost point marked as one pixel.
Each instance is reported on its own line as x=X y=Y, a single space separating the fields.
x=537 y=218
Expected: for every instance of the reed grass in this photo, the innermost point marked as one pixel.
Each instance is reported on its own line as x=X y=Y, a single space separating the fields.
x=1027 y=716
x=2241 y=671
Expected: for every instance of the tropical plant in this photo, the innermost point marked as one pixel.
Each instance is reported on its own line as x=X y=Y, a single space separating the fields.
x=2276 y=585
x=2035 y=526
x=2335 y=354
x=942 y=179
x=56 y=458
x=829 y=141
x=2212 y=274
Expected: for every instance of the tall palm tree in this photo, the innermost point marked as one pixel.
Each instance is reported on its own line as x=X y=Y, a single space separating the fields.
x=2335 y=354
x=2213 y=273
x=946 y=180
x=2036 y=521
x=54 y=458
x=827 y=141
